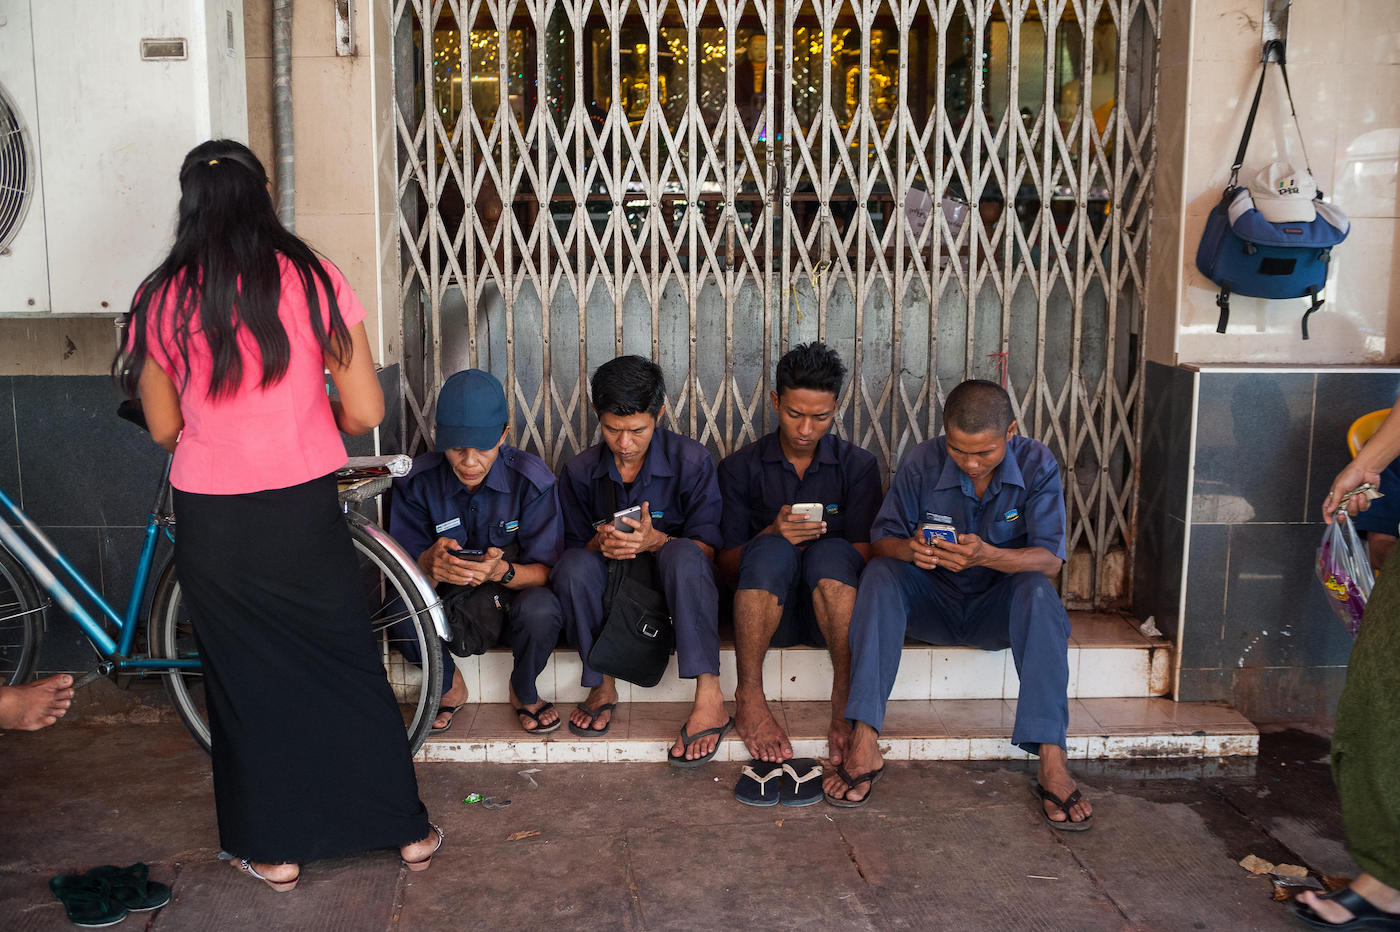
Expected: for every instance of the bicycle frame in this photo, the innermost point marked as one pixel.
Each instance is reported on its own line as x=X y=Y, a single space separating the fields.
x=115 y=651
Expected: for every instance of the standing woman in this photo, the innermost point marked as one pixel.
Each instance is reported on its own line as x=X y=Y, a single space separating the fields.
x=225 y=344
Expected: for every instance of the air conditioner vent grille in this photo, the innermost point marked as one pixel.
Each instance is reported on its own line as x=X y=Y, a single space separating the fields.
x=16 y=181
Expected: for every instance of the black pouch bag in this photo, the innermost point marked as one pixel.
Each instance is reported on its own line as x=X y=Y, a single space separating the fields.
x=476 y=616
x=637 y=637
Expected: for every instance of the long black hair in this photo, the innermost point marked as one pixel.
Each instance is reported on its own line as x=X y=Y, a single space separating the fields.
x=222 y=274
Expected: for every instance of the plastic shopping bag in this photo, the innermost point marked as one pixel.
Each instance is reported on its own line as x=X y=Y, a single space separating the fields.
x=1345 y=571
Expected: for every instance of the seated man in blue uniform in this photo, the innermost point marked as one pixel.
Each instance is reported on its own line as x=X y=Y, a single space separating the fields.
x=795 y=575
x=672 y=479
x=481 y=513
x=990 y=588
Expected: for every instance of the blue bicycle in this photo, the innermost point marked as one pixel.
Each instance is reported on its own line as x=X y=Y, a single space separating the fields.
x=406 y=614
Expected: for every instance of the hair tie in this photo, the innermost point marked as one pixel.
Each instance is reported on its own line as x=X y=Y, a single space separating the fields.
x=213 y=161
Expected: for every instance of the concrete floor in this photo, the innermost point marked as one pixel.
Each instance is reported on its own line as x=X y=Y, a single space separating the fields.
x=644 y=846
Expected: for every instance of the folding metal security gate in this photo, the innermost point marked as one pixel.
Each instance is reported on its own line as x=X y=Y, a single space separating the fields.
x=940 y=189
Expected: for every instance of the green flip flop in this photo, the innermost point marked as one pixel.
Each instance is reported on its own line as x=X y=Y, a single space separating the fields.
x=88 y=903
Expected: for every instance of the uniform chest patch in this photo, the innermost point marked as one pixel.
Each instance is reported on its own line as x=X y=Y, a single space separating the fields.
x=449 y=525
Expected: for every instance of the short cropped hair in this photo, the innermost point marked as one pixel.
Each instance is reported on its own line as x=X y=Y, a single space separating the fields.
x=813 y=366
x=628 y=385
x=978 y=407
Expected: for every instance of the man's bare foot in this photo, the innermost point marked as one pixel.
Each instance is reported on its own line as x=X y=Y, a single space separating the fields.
x=707 y=712
x=1055 y=778
x=598 y=696
x=549 y=718
x=837 y=737
x=36 y=705
x=862 y=757
x=1379 y=895
x=450 y=699
x=760 y=731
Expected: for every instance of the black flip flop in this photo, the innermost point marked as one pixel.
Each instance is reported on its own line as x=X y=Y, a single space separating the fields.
x=870 y=776
x=688 y=739
x=540 y=727
x=1065 y=805
x=87 y=901
x=802 y=782
x=590 y=731
x=757 y=784
x=1365 y=914
x=132 y=886
x=451 y=712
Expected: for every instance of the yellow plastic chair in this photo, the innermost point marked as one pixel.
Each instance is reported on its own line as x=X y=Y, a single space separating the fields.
x=1363 y=428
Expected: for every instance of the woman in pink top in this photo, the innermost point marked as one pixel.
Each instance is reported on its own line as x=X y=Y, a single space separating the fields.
x=226 y=345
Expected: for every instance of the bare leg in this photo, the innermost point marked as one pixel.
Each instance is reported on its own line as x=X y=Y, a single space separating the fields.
x=1054 y=776
x=547 y=719
x=832 y=602
x=454 y=696
x=862 y=757
x=599 y=695
x=756 y=616
x=707 y=712
x=35 y=705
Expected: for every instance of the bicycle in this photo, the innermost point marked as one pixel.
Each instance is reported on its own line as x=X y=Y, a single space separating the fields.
x=405 y=612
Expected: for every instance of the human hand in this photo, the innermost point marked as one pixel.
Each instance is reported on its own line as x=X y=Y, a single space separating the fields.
x=970 y=550
x=439 y=564
x=1349 y=478
x=796 y=529
x=619 y=544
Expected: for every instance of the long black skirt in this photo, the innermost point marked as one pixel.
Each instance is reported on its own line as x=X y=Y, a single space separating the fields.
x=311 y=756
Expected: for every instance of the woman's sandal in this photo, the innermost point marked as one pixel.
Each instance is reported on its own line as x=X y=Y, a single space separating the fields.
x=281 y=886
x=1364 y=913
x=422 y=864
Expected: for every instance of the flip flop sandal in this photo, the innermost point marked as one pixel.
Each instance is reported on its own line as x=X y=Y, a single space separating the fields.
x=132 y=886
x=451 y=712
x=540 y=727
x=802 y=782
x=88 y=903
x=1065 y=805
x=1365 y=914
x=688 y=739
x=590 y=731
x=841 y=802
x=281 y=886
x=753 y=788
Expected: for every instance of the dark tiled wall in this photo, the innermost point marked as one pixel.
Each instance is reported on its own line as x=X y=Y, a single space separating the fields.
x=1163 y=485
x=88 y=479
x=1258 y=631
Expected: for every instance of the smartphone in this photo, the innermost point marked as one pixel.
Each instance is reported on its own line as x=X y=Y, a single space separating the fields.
x=811 y=510
x=471 y=556
x=635 y=513
x=940 y=531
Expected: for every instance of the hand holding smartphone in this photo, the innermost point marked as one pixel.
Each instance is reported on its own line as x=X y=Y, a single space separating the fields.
x=635 y=513
x=470 y=556
x=812 y=511
x=931 y=532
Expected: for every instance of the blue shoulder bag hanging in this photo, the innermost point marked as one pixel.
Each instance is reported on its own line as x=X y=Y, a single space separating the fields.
x=1246 y=251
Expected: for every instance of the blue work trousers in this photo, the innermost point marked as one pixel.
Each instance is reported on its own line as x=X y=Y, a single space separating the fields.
x=770 y=564
x=580 y=579
x=1021 y=611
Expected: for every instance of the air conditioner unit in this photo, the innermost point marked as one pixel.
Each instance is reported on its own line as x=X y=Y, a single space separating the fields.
x=99 y=102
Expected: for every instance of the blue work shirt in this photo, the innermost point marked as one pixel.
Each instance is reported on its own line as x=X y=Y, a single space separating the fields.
x=516 y=508
x=1024 y=505
x=677 y=479
x=757 y=481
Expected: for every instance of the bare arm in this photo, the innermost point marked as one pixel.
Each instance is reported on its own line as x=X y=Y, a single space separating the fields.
x=1383 y=447
x=969 y=551
x=160 y=402
x=360 y=407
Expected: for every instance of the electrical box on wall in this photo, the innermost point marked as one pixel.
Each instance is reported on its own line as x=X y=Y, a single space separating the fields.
x=97 y=109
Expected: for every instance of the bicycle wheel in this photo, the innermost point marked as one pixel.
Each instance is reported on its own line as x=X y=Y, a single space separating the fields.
x=21 y=621
x=399 y=617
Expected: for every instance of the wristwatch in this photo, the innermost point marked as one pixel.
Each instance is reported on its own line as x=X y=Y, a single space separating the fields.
x=510 y=574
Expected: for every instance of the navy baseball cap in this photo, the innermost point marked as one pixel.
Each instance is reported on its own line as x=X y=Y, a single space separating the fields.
x=471 y=411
